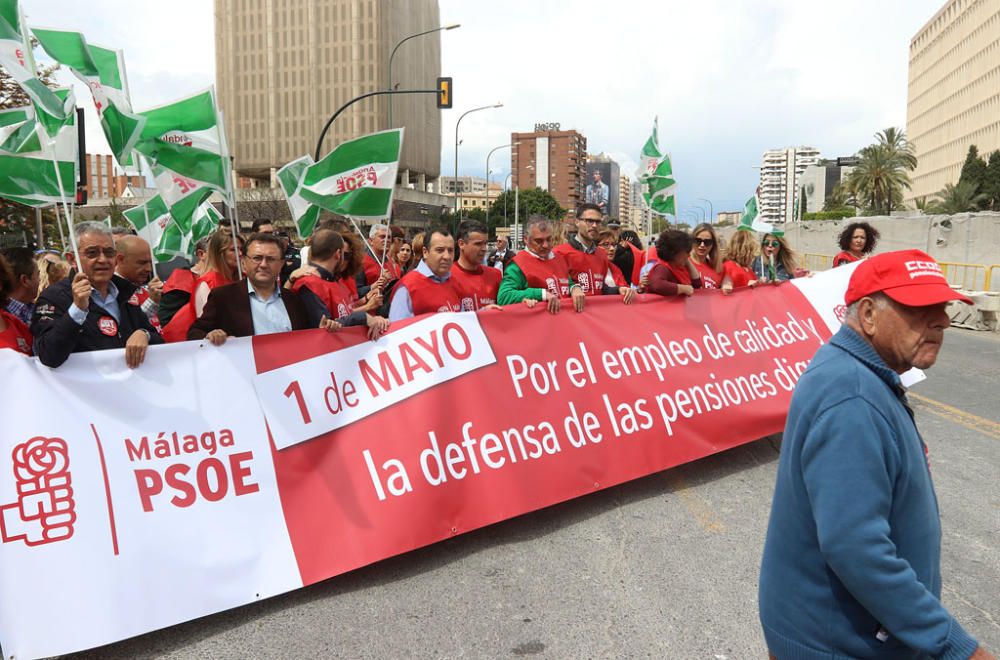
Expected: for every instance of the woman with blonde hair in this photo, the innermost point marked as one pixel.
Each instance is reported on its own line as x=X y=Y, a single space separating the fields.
x=706 y=255
x=776 y=262
x=51 y=269
x=740 y=253
x=220 y=269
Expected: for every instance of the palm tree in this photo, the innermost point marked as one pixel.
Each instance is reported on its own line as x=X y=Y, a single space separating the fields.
x=959 y=198
x=877 y=182
x=895 y=140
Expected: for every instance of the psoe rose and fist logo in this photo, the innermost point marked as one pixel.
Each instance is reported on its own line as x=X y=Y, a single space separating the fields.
x=44 y=511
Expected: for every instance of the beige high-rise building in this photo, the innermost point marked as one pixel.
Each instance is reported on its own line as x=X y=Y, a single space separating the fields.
x=283 y=67
x=953 y=98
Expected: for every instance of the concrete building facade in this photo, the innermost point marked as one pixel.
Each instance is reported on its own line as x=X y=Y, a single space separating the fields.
x=779 y=180
x=819 y=180
x=464 y=185
x=953 y=95
x=624 y=199
x=551 y=159
x=283 y=68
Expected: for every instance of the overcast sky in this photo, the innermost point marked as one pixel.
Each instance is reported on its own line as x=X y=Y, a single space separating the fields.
x=727 y=78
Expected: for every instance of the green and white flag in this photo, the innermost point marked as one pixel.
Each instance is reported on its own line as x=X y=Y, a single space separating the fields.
x=656 y=176
x=103 y=71
x=153 y=222
x=304 y=214
x=29 y=158
x=53 y=110
x=18 y=131
x=183 y=141
x=356 y=179
x=751 y=220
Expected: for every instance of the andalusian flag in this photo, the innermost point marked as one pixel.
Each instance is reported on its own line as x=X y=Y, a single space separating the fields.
x=29 y=157
x=103 y=71
x=751 y=220
x=53 y=110
x=656 y=176
x=183 y=140
x=356 y=179
x=290 y=179
x=154 y=223
x=18 y=131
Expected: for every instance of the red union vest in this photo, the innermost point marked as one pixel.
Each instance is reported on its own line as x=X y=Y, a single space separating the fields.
x=334 y=295
x=710 y=279
x=587 y=270
x=428 y=296
x=549 y=274
x=476 y=288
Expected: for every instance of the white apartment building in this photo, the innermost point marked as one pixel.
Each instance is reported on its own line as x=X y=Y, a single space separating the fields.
x=780 y=173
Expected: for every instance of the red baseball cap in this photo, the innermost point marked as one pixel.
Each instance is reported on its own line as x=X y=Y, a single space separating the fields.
x=910 y=277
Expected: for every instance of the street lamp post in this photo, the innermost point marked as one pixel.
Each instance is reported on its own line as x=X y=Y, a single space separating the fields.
x=502 y=146
x=506 y=189
x=711 y=209
x=458 y=197
x=400 y=43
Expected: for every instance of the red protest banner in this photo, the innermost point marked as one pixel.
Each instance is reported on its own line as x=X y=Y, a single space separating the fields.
x=573 y=403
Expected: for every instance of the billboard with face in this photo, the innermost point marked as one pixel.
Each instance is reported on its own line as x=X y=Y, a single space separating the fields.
x=602 y=186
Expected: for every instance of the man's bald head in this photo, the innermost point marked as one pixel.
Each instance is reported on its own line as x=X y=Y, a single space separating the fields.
x=134 y=261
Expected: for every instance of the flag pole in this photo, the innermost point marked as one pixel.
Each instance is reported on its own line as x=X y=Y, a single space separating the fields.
x=230 y=201
x=69 y=216
x=62 y=235
x=139 y=162
x=362 y=235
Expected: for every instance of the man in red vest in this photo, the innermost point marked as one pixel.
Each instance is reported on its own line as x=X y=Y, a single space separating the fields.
x=324 y=294
x=538 y=273
x=428 y=287
x=589 y=266
x=477 y=285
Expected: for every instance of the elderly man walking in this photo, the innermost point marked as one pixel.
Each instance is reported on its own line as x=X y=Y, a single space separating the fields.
x=852 y=561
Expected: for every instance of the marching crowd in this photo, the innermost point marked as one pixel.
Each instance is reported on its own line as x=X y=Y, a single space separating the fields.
x=260 y=284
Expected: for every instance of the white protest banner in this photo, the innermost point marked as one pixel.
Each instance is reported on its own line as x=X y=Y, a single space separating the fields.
x=132 y=500
x=310 y=398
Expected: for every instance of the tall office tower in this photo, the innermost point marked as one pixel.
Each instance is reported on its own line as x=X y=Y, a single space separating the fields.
x=780 y=172
x=953 y=96
x=551 y=159
x=283 y=67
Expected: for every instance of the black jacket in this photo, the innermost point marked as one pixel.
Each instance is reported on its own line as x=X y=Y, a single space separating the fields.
x=56 y=334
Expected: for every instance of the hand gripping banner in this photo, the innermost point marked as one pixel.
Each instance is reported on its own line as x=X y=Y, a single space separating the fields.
x=211 y=477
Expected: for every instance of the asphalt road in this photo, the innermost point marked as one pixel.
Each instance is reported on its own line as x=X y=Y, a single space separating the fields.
x=665 y=566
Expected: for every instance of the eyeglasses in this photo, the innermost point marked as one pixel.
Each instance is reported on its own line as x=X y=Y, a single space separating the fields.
x=774 y=244
x=264 y=259
x=590 y=221
x=606 y=246
x=95 y=252
x=708 y=242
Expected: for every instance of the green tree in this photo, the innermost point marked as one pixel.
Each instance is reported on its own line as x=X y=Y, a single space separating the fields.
x=974 y=170
x=991 y=187
x=956 y=198
x=529 y=201
x=878 y=181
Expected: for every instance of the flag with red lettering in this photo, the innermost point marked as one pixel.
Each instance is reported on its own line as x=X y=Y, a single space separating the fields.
x=356 y=179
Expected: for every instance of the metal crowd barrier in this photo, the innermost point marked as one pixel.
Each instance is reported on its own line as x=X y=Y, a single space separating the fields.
x=972 y=277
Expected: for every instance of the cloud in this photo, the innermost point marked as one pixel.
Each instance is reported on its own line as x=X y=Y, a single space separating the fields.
x=727 y=78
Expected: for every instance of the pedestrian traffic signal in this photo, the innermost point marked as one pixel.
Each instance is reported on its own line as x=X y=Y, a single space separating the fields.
x=444 y=93
x=81 y=197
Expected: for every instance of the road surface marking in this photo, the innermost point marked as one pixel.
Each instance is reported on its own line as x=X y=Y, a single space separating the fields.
x=968 y=420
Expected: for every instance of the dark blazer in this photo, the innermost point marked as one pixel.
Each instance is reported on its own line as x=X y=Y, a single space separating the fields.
x=228 y=309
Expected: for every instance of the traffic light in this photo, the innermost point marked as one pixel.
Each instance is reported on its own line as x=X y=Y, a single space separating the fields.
x=444 y=93
x=81 y=197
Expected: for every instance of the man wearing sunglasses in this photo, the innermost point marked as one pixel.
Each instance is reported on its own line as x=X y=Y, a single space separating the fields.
x=89 y=311
x=255 y=305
